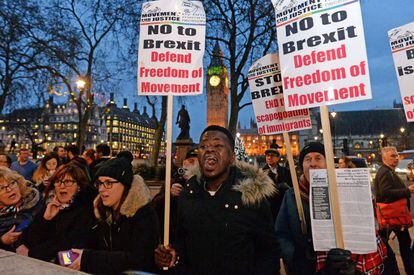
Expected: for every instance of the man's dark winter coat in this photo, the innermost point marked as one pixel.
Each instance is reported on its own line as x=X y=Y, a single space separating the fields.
x=282 y=182
x=230 y=232
x=128 y=243
x=388 y=187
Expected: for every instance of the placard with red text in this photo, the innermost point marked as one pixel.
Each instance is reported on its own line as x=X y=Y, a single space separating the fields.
x=266 y=92
x=402 y=47
x=322 y=52
x=171 y=48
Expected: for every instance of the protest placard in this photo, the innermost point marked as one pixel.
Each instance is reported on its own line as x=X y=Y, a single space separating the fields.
x=170 y=63
x=322 y=52
x=171 y=48
x=357 y=213
x=267 y=98
x=402 y=47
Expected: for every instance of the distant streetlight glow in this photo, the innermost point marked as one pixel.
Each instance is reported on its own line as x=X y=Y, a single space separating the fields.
x=80 y=84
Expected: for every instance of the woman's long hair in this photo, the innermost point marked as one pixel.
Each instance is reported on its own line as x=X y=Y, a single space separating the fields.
x=41 y=171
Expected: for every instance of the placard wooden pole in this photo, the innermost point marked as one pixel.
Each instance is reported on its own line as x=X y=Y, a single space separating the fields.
x=168 y=153
x=294 y=176
x=333 y=188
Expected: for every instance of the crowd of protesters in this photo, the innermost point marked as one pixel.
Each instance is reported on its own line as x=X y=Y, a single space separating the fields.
x=227 y=216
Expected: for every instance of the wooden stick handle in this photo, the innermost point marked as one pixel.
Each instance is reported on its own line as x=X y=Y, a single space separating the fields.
x=333 y=188
x=168 y=171
x=295 y=183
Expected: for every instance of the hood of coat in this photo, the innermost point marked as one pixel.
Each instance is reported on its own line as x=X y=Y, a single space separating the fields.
x=31 y=200
x=138 y=196
x=255 y=185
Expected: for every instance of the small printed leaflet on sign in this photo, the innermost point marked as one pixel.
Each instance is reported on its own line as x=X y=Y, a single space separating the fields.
x=171 y=48
x=266 y=92
x=322 y=52
x=356 y=210
x=402 y=47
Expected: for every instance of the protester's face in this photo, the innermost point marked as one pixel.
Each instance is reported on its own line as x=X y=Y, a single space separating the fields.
x=9 y=192
x=61 y=153
x=390 y=158
x=189 y=164
x=3 y=161
x=66 y=188
x=272 y=159
x=341 y=163
x=51 y=164
x=110 y=192
x=87 y=158
x=215 y=154
x=24 y=155
x=313 y=160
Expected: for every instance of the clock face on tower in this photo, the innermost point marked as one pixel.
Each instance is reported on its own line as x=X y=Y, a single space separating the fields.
x=214 y=80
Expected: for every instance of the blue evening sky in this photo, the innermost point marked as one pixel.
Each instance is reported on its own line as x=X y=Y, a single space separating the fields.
x=379 y=17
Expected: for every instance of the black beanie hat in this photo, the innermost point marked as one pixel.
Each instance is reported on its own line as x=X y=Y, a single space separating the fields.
x=117 y=168
x=315 y=147
x=223 y=130
x=273 y=149
x=193 y=153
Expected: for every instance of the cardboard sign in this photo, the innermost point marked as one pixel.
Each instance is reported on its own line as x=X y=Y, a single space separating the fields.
x=322 y=52
x=266 y=92
x=171 y=48
x=402 y=47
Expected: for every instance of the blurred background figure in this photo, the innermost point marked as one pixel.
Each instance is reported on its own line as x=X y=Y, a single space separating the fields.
x=345 y=162
x=23 y=165
x=5 y=160
x=45 y=171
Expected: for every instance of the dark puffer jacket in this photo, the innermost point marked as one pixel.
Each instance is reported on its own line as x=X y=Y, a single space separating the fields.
x=31 y=206
x=230 y=232
x=127 y=243
x=70 y=228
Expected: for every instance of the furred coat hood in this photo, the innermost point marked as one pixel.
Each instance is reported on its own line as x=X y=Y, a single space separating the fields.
x=138 y=196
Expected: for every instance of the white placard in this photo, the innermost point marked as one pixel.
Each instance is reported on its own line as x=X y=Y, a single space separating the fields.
x=355 y=203
x=322 y=52
x=402 y=47
x=171 y=48
x=266 y=92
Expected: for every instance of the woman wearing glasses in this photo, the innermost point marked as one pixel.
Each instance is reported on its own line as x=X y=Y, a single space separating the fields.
x=18 y=206
x=127 y=233
x=67 y=220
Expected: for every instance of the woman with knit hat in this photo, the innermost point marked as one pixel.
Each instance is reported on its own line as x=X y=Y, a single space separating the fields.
x=127 y=231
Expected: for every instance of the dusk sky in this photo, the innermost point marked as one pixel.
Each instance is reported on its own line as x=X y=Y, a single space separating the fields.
x=379 y=16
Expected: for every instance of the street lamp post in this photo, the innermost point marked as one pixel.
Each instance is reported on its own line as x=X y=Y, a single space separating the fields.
x=333 y=114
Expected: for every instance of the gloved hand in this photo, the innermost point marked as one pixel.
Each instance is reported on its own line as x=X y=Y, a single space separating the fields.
x=339 y=261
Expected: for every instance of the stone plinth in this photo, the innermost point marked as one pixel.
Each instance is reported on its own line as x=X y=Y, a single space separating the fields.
x=182 y=146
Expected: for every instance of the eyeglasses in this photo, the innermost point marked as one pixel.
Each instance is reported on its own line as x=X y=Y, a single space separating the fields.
x=107 y=183
x=13 y=184
x=66 y=183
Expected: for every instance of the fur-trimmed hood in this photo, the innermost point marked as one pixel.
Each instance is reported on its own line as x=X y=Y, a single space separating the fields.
x=255 y=184
x=138 y=196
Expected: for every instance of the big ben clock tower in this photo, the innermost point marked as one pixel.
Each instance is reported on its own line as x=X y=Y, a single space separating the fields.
x=217 y=90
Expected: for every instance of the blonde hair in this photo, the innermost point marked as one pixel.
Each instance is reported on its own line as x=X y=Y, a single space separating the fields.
x=10 y=175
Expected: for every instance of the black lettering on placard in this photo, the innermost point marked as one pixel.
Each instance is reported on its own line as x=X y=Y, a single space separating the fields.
x=405 y=70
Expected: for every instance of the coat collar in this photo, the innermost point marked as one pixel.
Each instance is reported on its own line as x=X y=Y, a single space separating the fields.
x=138 y=196
x=252 y=182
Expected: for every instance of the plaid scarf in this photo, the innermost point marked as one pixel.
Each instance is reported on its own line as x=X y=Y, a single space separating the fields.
x=11 y=209
x=304 y=188
x=372 y=263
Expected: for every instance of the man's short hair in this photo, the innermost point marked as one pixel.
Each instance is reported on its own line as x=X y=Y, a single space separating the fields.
x=216 y=128
x=23 y=149
x=72 y=149
x=386 y=149
x=104 y=149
